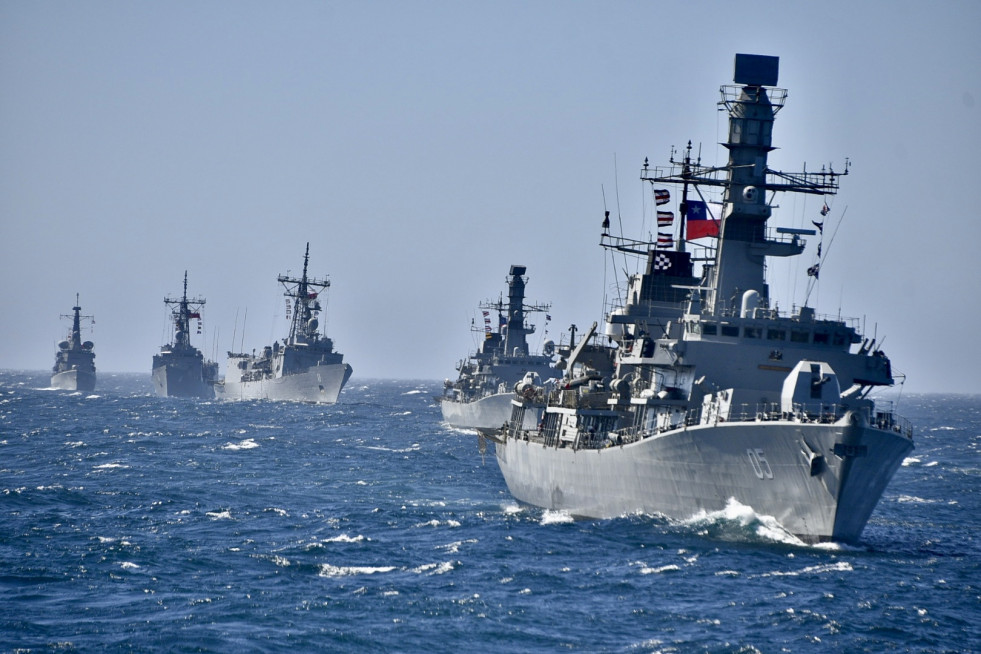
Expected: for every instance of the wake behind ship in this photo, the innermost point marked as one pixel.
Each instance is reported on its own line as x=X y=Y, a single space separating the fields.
x=74 y=368
x=180 y=369
x=718 y=396
x=305 y=367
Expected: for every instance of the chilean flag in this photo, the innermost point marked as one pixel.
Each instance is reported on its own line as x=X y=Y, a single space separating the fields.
x=700 y=222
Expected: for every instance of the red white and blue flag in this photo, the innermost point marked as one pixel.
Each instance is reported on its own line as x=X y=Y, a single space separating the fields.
x=703 y=219
x=665 y=218
x=661 y=196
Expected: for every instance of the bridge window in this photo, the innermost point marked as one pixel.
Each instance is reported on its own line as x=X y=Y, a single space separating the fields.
x=799 y=336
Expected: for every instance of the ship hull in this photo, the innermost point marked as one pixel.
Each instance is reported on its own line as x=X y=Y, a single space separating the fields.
x=74 y=380
x=320 y=384
x=786 y=470
x=181 y=379
x=489 y=412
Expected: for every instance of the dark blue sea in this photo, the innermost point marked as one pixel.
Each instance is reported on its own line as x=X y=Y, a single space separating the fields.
x=135 y=523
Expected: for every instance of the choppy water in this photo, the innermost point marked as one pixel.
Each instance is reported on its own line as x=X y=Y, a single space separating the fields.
x=131 y=522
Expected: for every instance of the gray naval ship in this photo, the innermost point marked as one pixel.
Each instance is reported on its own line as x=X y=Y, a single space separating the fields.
x=305 y=367
x=179 y=369
x=721 y=398
x=481 y=395
x=74 y=368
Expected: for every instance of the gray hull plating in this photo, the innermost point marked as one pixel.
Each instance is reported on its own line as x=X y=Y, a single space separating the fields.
x=181 y=377
x=74 y=380
x=789 y=471
x=488 y=412
x=321 y=384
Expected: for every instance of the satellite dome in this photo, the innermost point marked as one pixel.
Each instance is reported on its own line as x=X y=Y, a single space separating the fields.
x=63 y=345
x=88 y=345
x=749 y=194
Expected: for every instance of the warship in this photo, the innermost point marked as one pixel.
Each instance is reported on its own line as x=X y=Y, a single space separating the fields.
x=180 y=370
x=305 y=367
x=480 y=397
x=717 y=395
x=74 y=368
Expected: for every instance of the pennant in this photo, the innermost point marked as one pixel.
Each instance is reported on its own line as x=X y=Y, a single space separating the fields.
x=661 y=196
x=548 y=317
x=665 y=218
x=664 y=240
x=825 y=209
x=820 y=226
x=501 y=320
x=814 y=270
x=819 y=250
x=700 y=222
x=194 y=315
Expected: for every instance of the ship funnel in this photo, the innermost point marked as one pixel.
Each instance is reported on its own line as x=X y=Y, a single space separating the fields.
x=751 y=302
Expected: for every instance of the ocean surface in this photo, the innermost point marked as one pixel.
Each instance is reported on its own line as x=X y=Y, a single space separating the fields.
x=130 y=522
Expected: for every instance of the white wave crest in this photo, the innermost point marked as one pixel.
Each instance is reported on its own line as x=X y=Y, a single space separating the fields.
x=247 y=444
x=328 y=570
x=737 y=521
x=219 y=515
x=550 y=517
x=453 y=548
x=659 y=570
x=434 y=568
x=438 y=523
x=912 y=499
x=344 y=538
x=839 y=566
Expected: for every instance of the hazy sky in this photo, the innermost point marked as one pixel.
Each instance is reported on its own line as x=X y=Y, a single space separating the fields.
x=424 y=147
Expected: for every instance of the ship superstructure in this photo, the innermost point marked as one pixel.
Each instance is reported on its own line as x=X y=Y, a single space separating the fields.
x=721 y=397
x=305 y=367
x=180 y=369
x=74 y=367
x=480 y=397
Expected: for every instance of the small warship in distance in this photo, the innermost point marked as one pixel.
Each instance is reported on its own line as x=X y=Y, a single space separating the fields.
x=305 y=368
x=74 y=368
x=481 y=395
x=180 y=370
x=717 y=396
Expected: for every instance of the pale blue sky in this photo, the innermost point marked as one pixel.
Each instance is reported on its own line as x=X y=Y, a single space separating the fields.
x=424 y=147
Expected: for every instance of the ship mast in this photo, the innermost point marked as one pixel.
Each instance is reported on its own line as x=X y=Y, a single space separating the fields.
x=76 y=335
x=185 y=309
x=743 y=245
x=305 y=292
x=516 y=310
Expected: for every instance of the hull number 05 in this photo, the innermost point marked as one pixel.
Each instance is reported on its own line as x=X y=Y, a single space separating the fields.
x=760 y=466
